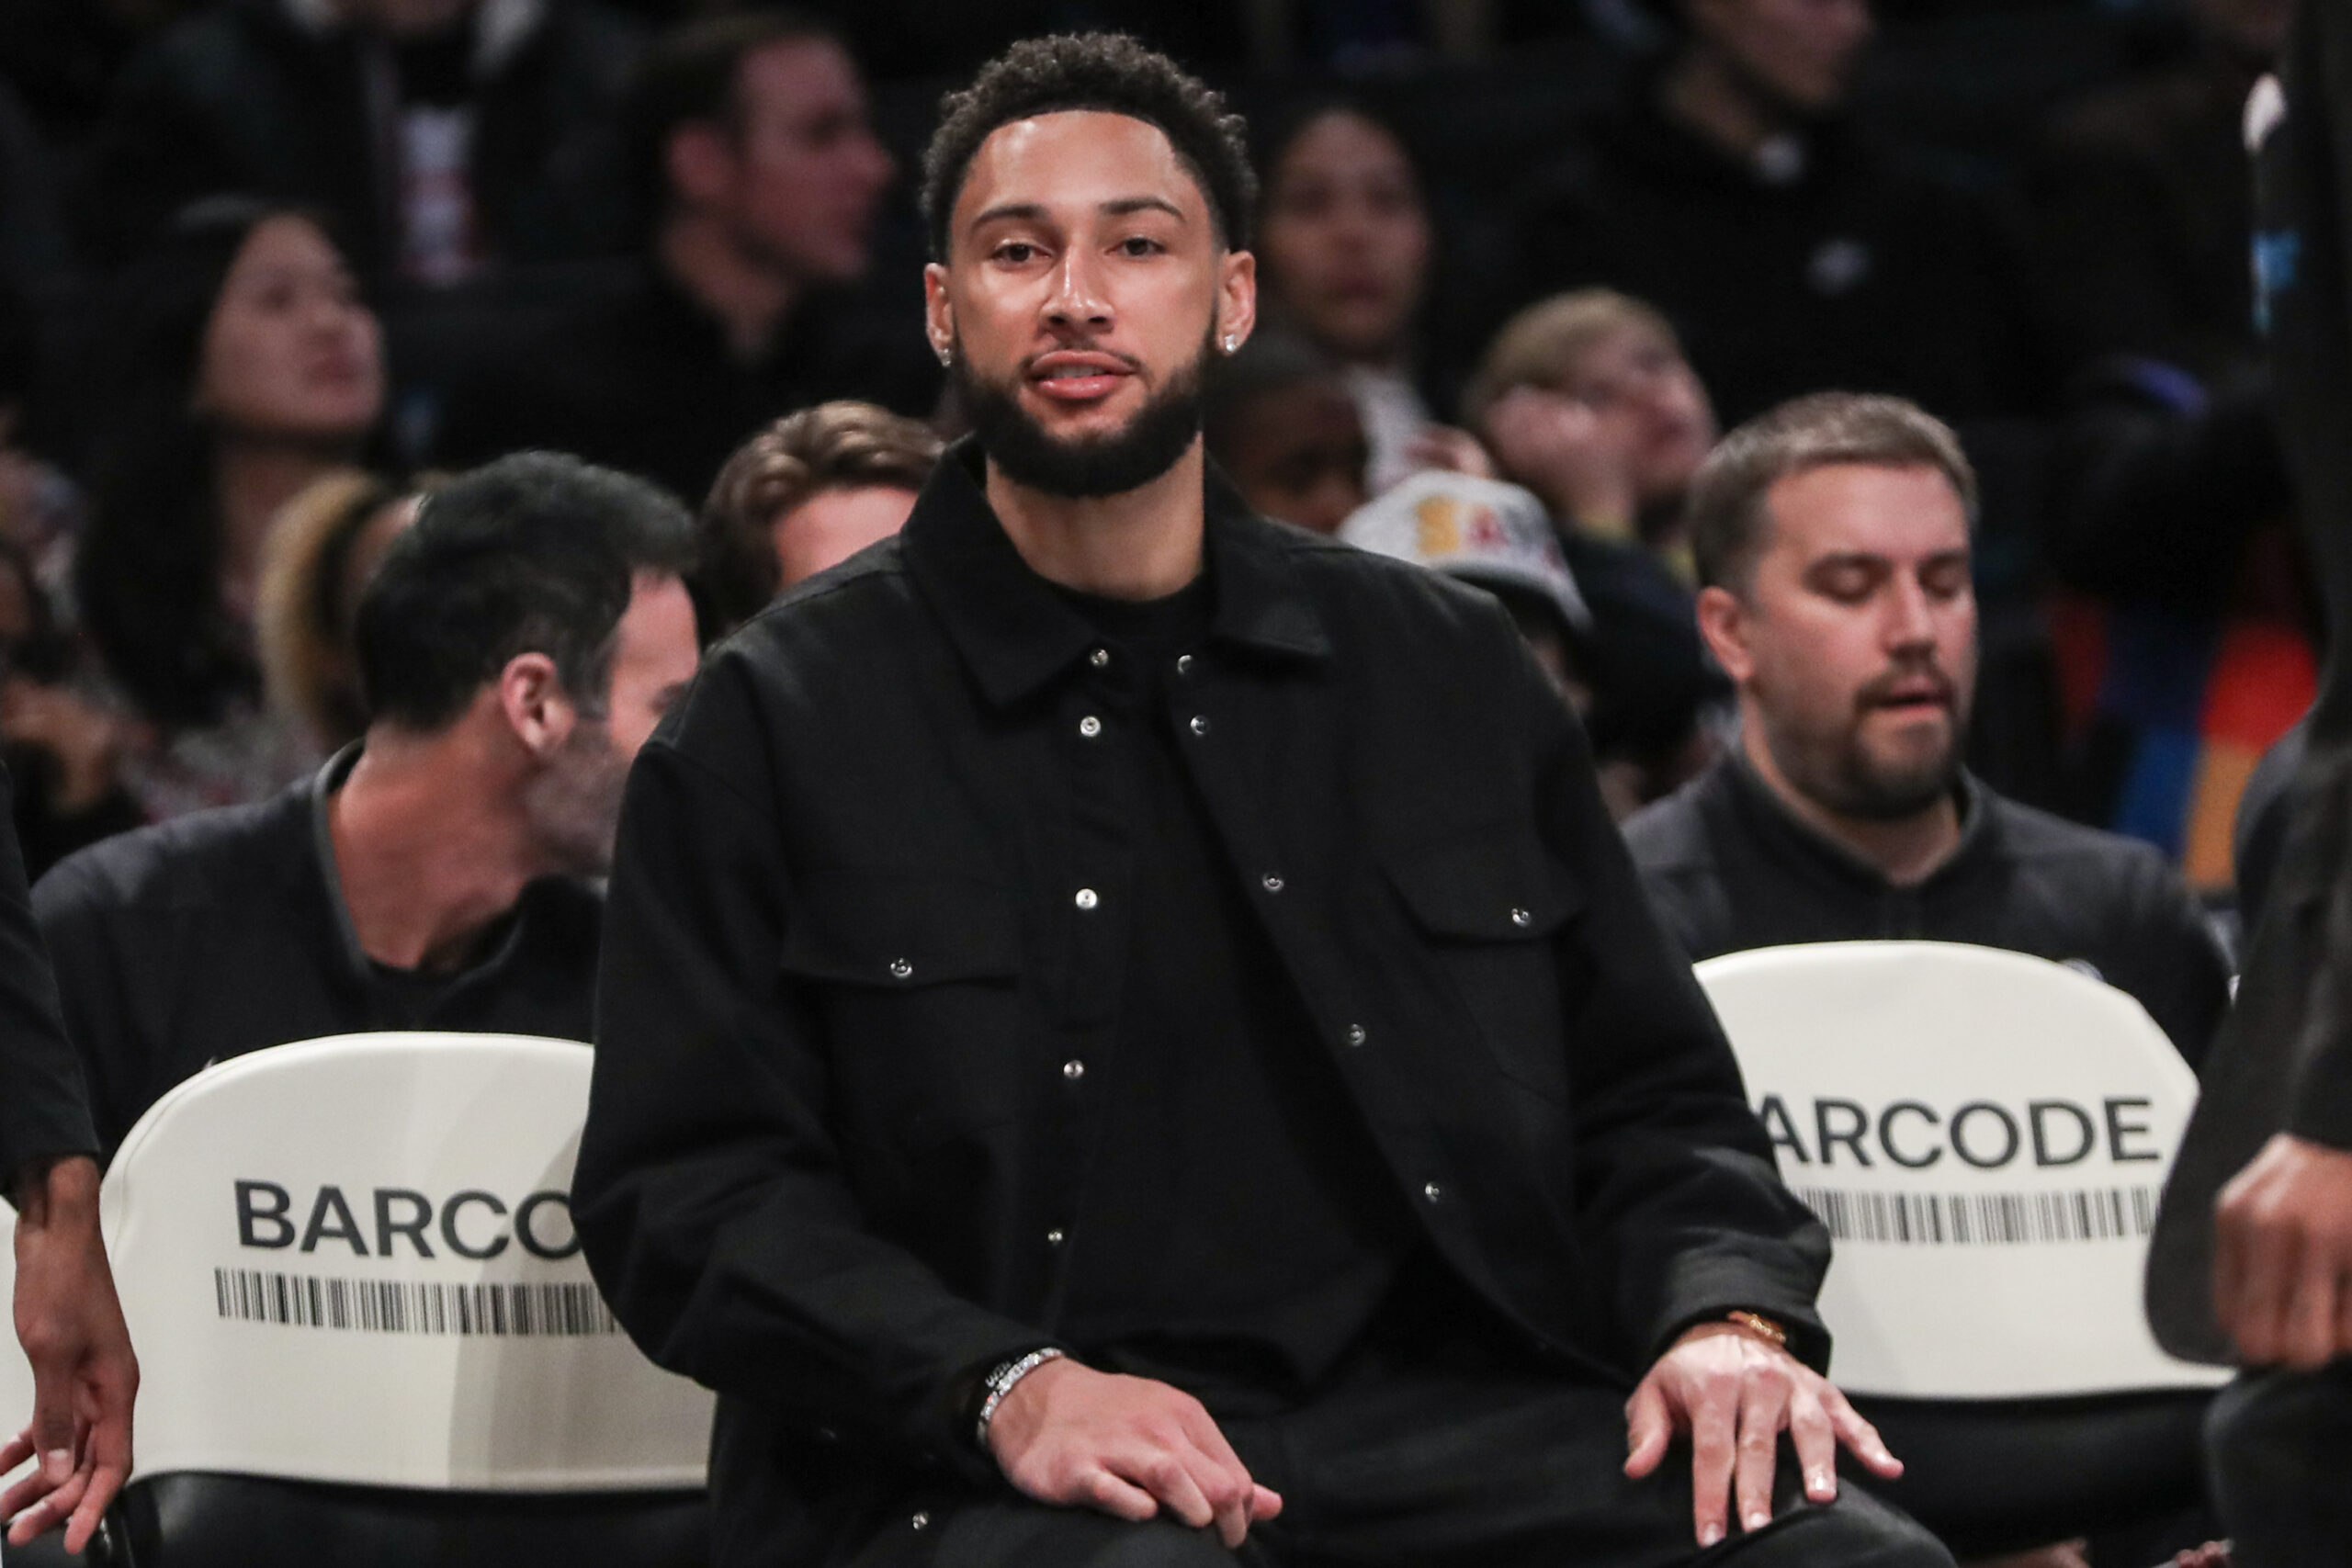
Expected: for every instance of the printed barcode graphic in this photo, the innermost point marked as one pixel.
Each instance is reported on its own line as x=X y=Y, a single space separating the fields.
x=1983 y=1219
x=551 y=1308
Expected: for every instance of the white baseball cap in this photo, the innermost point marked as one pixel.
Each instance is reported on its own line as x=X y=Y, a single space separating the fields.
x=1483 y=531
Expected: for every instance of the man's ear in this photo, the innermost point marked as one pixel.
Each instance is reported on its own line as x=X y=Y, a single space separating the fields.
x=1724 y=622
x=1237 y=300
x=699 y=161
x=938 y=314
x=538 y=709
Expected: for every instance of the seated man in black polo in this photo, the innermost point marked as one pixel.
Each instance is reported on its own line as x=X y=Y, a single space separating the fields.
x=517 y=645
x=1832 y=540
x=1125 y=1033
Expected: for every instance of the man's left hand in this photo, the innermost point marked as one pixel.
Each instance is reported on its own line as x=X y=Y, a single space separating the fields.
x=1735 y=1394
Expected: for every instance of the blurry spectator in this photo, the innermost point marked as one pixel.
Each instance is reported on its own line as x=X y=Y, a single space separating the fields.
x=318 y=560
x=1792 y=252
x=1587 y=399
x=439 y=134
x=754 y=148
x=2188 y=638
x=1832 y=536
x=518 y=646
x=1279 y=419
x=808 y=492
x=244 y=367
x=1345 y=249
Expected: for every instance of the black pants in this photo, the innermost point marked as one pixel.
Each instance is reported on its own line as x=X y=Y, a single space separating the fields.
x=1425 y=1470
x=2281 y=1446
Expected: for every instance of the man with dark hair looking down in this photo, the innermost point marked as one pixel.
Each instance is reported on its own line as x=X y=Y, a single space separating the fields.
x=516 y=647
x=1126 y=1035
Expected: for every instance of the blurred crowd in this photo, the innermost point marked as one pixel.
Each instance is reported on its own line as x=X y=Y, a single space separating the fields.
x=270 y=268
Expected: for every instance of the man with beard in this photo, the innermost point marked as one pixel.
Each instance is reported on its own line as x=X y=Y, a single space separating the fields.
x=516 y=647
x=1125 y=1033
x=1832 y=542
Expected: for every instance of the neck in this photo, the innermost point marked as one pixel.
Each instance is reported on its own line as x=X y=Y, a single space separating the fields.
x=1144 y=544
x=431 y=844
x=749 y=298
x=1906 y=849
x=252 y=478
x=1706 y=92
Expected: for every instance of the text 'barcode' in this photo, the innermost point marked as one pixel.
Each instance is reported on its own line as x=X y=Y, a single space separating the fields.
x=547 y=1308
x=1983 y=1219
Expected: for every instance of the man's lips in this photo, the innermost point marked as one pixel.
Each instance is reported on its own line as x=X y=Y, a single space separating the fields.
x=1079 y=376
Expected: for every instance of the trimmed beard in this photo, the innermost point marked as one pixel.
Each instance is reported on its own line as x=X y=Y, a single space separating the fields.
x=1162 y=430
x=1844 y=779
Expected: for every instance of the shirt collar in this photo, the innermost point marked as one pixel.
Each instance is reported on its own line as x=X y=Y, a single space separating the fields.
x=1015 y=634
x=1785 y=828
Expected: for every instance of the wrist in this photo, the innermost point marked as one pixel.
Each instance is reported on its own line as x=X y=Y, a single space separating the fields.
x=52 y=1189
x=998 y=1387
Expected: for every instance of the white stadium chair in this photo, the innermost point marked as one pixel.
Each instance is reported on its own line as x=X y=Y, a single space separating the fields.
x=364 y=1329
x=1985 y=1135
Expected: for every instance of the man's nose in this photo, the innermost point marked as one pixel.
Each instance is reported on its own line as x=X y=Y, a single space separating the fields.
x=1077 y=298
x=1910 y=619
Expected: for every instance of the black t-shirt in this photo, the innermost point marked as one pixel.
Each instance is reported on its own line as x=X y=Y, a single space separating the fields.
x=1238 y=1230
x=225 y=931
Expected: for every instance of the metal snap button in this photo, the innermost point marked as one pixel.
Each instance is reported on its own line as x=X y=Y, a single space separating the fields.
x=1271 y=882
x=900 y=968
x=1356 y=1034
x=1089 y=727
x=1100 y=657
x=1200 y=724
x=1520 y=918
x=1073 y=1069
x=1433 y=1191
x=1087 y=898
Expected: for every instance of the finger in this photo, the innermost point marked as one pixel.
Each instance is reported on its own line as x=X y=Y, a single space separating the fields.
x=1713 y=1432
x=1648 y=1428
x=1763 y=1405
x=1233 y=1511
x=105 y=1481
x=2264 y=1292
x=2307 y=1327
x=15 y=1451
x=50 y=1511
x=52 y=1425
x=1861 y=1438
x=1816 y=1441
x=1265 y=1503
x=1108 y=1493
x=1168 y=1479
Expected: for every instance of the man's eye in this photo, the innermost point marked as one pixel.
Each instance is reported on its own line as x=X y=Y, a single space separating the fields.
x=1015 y=251
x=1138 y=245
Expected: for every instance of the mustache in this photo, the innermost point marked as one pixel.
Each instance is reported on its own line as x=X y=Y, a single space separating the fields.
x=1879 y=691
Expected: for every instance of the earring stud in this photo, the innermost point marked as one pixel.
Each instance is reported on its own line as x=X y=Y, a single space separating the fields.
x=1232 y=341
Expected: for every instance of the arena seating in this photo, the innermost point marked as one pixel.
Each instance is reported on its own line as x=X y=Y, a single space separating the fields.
x=364 y=1329
x=1986 y=1135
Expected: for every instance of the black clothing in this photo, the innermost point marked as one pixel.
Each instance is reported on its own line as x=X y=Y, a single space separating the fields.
x=872 y=894
x=2142 y=202
x=251 y=98
x=2281 y=1445
x=1854 y=272
x=641 y=379
x=1411 y=1461
x=224 y=931
x=2284 y=1060
x=44 y=1107
x=1730 y=868
x=1233 y=1227
x=2260 y=834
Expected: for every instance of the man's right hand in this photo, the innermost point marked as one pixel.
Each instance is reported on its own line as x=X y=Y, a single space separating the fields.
x=1073 y=1437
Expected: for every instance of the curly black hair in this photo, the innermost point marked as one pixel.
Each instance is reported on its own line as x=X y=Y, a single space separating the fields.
x=1111 y=72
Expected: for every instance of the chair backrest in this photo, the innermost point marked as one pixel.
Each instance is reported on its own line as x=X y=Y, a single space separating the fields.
x=1985 y=1135
x=351 y=1261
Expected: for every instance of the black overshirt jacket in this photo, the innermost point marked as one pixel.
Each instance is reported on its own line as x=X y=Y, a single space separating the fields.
x=872 y=896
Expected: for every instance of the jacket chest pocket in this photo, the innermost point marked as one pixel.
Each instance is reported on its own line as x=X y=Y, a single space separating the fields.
x=1491 y=906
x=914 y=980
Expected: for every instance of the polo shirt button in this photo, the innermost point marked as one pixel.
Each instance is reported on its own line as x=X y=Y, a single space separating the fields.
x=1271 y=882
x=1073 y=1069
x=1200 y=724
x=1100 y=659
x=1087 y=898
x=1089 y=727
x=1054 y=1237
x=900 y=968
x=1433 y=1191
x=1356 y=1034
